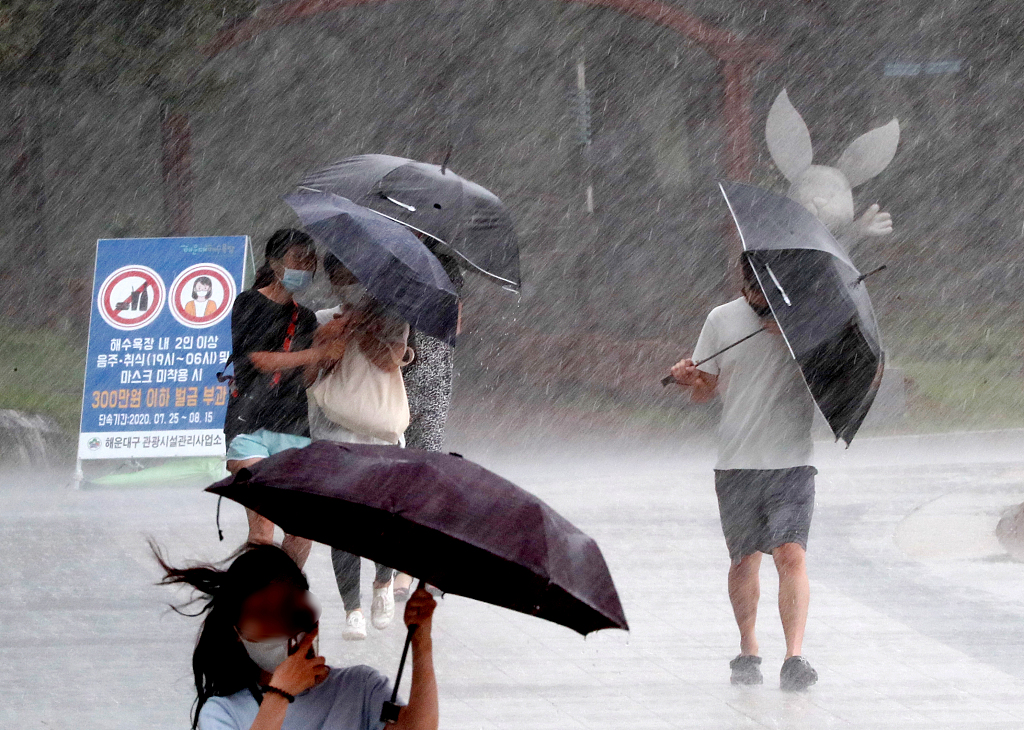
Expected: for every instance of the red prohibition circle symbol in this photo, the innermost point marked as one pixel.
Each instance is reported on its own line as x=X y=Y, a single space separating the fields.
x=202 y=295
x=131 y=297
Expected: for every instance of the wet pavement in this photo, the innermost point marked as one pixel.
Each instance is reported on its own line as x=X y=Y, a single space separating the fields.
x=915 y=622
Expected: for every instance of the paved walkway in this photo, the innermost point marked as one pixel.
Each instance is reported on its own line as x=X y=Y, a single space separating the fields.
x=915 y=616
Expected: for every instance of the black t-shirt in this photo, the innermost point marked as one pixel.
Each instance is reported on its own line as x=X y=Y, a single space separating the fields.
x=259 y=324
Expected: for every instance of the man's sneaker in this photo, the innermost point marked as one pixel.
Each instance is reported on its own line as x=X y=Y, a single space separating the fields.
x=355 y=626
x=746 y=669
x=797 y=674
x=382 y=610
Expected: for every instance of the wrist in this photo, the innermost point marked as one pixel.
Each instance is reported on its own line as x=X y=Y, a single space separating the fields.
x=422 y=641
x=274 y=696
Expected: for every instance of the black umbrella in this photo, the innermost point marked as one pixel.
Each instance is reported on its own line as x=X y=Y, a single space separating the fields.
x=451 y=522
x=470 y=221
x=394 y=266
x=819 y=299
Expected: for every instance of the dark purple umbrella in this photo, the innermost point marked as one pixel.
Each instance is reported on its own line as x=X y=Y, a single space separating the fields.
x=450 y=522
x=442 y=518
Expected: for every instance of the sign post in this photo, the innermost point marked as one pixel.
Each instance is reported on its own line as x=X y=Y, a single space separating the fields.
x=159 y=333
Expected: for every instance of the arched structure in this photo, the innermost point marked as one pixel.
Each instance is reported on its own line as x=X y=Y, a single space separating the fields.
x=737 y=59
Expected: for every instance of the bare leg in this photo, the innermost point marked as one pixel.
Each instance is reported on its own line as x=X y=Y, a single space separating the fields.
x=297 y=547
x=261 y=530
x=403 y=584
x=794 y=594
x=744 y=592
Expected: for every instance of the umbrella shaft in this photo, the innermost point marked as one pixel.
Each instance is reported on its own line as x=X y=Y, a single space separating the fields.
x=728 y=347
x=669 y=379
x=405 y=654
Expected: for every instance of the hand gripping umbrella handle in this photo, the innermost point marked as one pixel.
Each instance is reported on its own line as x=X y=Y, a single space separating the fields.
x=669 y=379
x=389 y=713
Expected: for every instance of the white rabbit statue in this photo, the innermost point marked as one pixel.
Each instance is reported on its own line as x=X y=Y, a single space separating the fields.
x=828 y=191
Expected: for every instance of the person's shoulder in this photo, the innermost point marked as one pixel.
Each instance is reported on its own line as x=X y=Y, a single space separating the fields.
x=730 y=310
x=221 y=711
x=247 y=301
x=306 y=315
x=356 y=674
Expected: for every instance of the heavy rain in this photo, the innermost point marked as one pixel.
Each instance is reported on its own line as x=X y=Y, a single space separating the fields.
x=691 y=327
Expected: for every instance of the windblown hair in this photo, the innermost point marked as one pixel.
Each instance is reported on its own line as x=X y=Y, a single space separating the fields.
x=277 y=246
x=220 y=663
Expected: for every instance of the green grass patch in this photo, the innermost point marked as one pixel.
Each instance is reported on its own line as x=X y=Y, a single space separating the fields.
x=966 y=395
x=41 y=371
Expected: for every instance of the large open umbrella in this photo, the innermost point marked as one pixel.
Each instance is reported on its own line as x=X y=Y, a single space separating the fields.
x=394 y=266
x=452 y=523
x=469 y=220
x=819 y=299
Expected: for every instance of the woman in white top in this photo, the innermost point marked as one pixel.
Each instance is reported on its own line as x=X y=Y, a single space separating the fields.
x=256 y=663
x=381 y=336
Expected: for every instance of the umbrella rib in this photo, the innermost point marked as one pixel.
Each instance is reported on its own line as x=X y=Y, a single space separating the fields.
x=785 y=297
x=458 y=254
x=399 y=203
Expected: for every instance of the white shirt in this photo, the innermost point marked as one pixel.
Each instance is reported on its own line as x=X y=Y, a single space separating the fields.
x=767 y=410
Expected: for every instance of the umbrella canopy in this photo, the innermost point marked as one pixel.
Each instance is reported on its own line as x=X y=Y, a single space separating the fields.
x=470 y=221
x=394 y=266
x=439 y=517
x=819 y=300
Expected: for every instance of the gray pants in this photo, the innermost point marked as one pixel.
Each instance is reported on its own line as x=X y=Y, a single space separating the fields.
x=347 y=572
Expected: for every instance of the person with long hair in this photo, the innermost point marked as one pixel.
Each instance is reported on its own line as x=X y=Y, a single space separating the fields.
x=381 y=336
x=256 y=664
x=271 y=335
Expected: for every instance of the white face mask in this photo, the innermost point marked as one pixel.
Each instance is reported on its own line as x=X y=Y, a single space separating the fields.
x=268 y=654
x=351 y=294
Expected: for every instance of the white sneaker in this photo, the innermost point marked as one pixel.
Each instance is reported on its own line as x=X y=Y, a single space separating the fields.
x=355 y=626
x=382 y=610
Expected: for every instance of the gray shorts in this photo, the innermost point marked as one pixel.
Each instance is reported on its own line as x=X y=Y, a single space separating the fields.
x=764 y=508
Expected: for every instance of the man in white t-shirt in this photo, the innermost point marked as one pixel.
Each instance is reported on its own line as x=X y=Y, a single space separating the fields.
x=764 y=477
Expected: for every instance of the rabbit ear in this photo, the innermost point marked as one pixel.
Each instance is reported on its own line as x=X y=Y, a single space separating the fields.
x=788 y=139
x=870 y=153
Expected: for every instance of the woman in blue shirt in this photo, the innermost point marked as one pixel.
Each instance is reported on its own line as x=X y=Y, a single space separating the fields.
x=256 y=664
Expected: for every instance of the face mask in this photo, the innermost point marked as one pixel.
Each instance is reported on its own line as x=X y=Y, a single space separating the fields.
x=268 y=655
x=351 y=294
x=295 y=280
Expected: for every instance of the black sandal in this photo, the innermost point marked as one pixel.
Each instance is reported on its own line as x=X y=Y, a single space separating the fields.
x=797 y=674
x=746 y=669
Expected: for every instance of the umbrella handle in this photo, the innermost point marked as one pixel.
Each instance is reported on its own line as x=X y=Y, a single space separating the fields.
x=389 y=713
